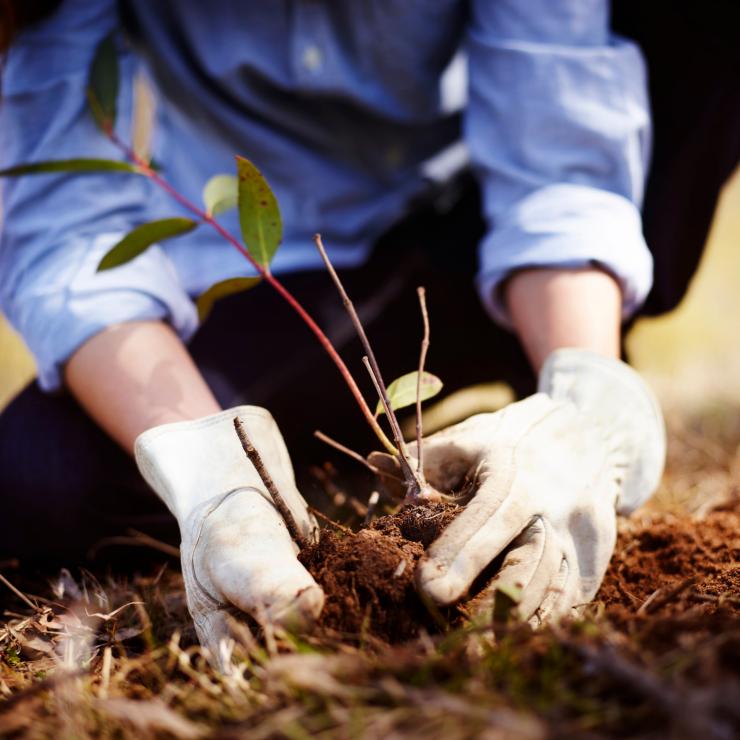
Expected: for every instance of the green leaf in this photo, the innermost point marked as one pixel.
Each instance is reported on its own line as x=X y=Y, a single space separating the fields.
x=259 y=215
x=505 y=601
x=102 y=84
x=70 y=165
x=136 y=241
x=402 y=391
x=221 y=193
x=222 y=289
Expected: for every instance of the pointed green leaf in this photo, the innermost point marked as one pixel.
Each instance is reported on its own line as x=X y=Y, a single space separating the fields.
x=402 y=391
x=259 y=215
x=136 y=241
x=70 y=165
x=221 y=193
x=102 y=84
x=222 y=289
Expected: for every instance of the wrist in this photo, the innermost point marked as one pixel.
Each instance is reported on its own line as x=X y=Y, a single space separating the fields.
x=546 y=306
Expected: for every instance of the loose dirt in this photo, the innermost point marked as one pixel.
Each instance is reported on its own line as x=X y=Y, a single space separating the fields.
x=665 y=567
x=368 y=576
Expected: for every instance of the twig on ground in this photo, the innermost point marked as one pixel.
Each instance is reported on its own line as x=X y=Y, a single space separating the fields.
x=278 y=500
x=421 y=292
x=660 y=598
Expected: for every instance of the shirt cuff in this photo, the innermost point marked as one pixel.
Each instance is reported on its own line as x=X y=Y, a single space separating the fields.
x=567 y=226
x=55 y=317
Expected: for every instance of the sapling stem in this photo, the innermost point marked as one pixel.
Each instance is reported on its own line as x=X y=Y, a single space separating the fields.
x=372 y=364
x=277 y=499
x=413 y=485
x=421 y=292
x=267 y=275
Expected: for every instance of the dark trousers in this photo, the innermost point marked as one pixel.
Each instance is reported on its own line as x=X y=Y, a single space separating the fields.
x=64 y=485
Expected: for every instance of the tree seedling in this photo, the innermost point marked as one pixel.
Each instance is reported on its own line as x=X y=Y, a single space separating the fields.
x=261 y=231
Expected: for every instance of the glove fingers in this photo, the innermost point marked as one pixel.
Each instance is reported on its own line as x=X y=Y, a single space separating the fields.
x=245 y=557
x=530 y=566
x=468 y=545
x=212 y=629
x=560 y=596
x=275 y=589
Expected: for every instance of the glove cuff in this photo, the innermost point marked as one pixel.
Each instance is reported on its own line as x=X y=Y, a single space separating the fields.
x=614 y=396
x=189 y=463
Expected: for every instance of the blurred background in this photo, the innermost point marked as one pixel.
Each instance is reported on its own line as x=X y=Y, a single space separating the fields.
x=691 y=356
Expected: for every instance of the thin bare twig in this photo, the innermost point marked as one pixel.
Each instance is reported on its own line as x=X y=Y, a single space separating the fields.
x=661 y=597
x=328 y=520
x=354 y=455
x=18 y=593
x=278 y=500
x=134 y=538
x=374 y=369
x=422 y=359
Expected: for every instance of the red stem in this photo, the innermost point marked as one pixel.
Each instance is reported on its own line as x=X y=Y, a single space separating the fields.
x=265 y=273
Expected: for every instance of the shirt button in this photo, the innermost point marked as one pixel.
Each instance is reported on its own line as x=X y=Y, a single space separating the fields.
x=312 y=58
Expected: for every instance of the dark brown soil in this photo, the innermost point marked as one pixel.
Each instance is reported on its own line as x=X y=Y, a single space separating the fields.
x=368 y=576
x=674 y=583
x=702 y=556
x=663 y=567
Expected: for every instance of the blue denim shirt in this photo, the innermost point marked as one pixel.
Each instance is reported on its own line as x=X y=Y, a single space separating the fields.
x=341 y=103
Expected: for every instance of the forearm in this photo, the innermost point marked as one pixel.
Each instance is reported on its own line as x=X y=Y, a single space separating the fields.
x=556 y=308
x=134 y=376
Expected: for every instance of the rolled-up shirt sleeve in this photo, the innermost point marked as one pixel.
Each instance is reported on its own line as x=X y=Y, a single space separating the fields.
x=57 y=227
x=558 y=127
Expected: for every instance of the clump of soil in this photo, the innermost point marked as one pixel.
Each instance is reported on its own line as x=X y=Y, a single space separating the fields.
x=368 y=576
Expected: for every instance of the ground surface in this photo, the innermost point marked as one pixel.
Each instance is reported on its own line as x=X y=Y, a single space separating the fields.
x=657 y=655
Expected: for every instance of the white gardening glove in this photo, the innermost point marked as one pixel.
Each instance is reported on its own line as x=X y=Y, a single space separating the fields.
x=550 y=473
x=237 y=554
